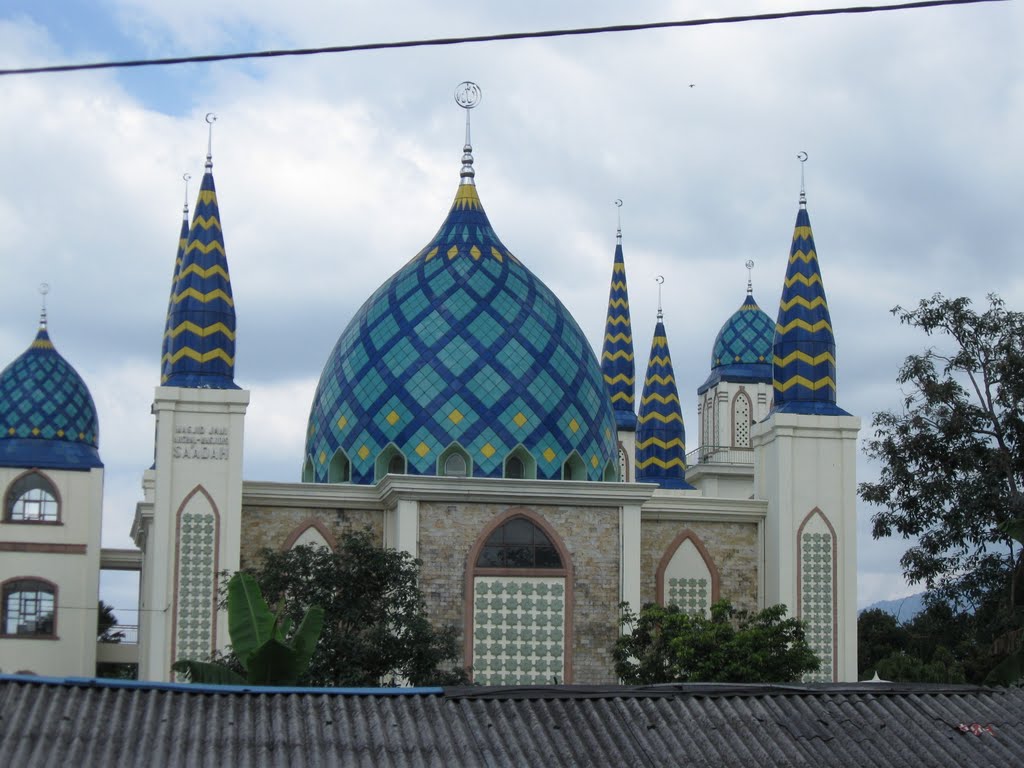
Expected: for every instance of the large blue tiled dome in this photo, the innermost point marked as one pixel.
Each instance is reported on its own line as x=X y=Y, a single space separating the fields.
x=47 y=416
x=743 y=347
x=464 y=346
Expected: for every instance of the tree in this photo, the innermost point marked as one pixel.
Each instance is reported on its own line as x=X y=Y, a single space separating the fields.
x=260 y=642
x=106 y=625
x=376 y=629
x=668 y=645
x=953 y=460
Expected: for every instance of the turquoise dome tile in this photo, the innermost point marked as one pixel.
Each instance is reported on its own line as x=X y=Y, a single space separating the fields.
x=462 y=345
x=47 y=416
x=742 y=351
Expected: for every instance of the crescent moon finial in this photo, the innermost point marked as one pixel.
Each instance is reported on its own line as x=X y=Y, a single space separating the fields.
x=210 y=118
x=750 y=280
x=44 y=288
x=618 y=218
x=660 y=280
x=802 y=157
x=467 y=96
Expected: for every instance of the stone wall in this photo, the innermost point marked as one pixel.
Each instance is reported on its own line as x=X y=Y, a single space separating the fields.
x=591 y=535
x=270 y=527
x=732 y=547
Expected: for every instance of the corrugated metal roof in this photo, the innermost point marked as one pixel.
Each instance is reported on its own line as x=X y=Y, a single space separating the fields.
x=79 y=723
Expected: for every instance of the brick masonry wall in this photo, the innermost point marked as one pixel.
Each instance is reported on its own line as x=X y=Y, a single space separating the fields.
x=732 y=546
x=449 y=531
x=270 y=527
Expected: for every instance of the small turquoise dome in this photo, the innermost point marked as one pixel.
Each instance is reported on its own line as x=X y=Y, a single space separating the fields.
x=47 y=416
x=743 y=347
x=464 y=350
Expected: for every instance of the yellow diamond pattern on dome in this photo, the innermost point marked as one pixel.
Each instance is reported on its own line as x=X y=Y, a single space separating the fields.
x=393 y=418
x=323 y=457
x=342 y=422
x=363 y=452
x=470 y=348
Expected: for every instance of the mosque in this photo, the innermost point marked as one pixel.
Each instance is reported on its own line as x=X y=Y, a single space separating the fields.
x=462 y=417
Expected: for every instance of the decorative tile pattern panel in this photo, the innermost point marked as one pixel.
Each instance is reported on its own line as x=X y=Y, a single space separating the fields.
x=463 y=344
x=817 y=596
x=741 y=421
x=691 y=595
x=743 y=348
x=518 y=630
x=196 y=585
x=46 y=411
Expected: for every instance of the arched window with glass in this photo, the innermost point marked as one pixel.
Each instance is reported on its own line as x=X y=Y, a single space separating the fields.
x=32 y=498
x=29 y=608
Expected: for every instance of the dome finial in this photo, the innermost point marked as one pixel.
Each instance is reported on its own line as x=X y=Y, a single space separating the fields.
x=750 y=277
x=184 y=212
x=618 y=231
x=211 y=118
x=802 y=157
x=467 y=96
x=660 y=279
x=44 y=288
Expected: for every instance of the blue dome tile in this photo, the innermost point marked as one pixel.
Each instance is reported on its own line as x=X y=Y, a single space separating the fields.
x=47 y=416
x=477 y=350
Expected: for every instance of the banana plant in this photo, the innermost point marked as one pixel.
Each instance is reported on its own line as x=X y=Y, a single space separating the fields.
x=260 y=640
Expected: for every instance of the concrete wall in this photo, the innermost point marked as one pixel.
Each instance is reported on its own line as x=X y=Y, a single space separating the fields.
x=268 y=527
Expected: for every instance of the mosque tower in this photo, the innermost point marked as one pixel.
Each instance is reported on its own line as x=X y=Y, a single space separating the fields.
x=51 y=476
x=806 y=453
x=189 y=524
x=617 y=363
x=736 y=395
x=661 y=437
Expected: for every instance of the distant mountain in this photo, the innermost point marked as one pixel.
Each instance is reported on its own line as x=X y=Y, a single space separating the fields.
x=904 y=609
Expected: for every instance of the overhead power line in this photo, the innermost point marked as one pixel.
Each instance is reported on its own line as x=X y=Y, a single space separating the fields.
x=442 y=41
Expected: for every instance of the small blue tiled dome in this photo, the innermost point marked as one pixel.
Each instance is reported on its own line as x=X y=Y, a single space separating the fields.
x=743 y=347
x=47 y=416
x=464 y=346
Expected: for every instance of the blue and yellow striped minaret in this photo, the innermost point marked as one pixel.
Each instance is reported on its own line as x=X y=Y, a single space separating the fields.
x=804 y=351
x=165 y=355
x=661 y=436
x=200 y=334
x=617 y=364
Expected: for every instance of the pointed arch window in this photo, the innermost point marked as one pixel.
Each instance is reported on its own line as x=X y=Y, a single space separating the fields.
x=29 y=608
x=519 y=464
x=340 y=469
x=455 y=462
x=519 y=543
x=574 y=468
x=308 y=473
x=741 y=420
x=390 y=461
x=32 y=498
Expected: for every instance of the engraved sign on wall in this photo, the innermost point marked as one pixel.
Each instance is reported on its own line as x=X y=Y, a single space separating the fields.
x=198 y=441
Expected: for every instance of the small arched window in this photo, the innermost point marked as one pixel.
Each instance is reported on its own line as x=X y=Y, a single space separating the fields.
x=340 y=470
x=455 y=465
x=574 y=468
x=390 y=461
x=396 y=466
x=518 y=543
x=32 y=498
x=514 y=468
x=29 y=608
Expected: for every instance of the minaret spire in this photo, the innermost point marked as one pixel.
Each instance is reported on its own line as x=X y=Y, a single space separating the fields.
x=200 y=335
x=182 y=242
x=617 y=363
x=804 y=351
x=467 y=96
x=661 y=436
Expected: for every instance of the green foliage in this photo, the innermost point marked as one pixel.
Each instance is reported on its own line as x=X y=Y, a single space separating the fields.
x=376 y=629
x=667 y=645
x=260 y=642
x=936 y=646
x=953 y=461
x=106 y=625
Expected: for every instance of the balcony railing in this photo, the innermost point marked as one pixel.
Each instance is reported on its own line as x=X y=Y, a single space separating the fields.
x=129 y=634
x=720 y=454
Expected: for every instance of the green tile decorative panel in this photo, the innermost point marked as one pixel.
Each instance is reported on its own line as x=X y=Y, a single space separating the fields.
x=691 y=595
x=518 y=630
x=817 y=601
x=197 y=546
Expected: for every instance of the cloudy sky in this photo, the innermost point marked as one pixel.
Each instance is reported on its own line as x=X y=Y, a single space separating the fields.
x=332 y=171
